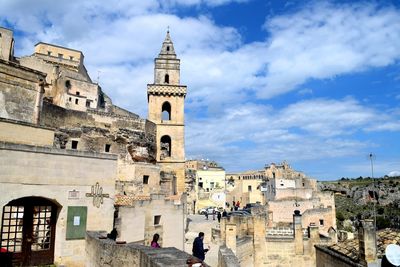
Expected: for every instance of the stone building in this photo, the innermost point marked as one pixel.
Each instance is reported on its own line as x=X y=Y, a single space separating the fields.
x=252 y=243
x=245 y=187
x=205 y=184
x=368 y=249
x=166 y=97
x=72 y=161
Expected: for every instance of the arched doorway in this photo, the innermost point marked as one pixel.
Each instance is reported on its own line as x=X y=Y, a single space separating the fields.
x=28 y=231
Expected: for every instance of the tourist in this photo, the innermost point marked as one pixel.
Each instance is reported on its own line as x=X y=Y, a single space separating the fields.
x=224 y=214
x=206 y=214
x=154 y=242
x=113 y=234
x=198 y=247
x=214 y=215
x=219 y=217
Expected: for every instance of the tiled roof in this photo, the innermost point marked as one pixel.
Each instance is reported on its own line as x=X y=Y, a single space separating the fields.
x=350 y=249
x=121 y=200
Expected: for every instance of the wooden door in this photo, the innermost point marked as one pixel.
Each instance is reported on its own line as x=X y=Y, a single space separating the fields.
x=28 y=231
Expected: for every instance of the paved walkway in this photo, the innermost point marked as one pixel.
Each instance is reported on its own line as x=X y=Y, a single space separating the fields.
x=200 y=224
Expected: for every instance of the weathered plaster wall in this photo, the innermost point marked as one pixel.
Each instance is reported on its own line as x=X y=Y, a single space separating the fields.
x=52 y=173
x=19 y=89
x=24 y=133
x=137 y=223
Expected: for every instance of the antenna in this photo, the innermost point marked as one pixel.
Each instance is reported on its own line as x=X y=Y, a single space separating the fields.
x=98 y=76
x=371 y=158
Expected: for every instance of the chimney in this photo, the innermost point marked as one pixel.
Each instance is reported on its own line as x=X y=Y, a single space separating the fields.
x=259 y=244
x=367 y=241
x=231 y=237
x=298 y=233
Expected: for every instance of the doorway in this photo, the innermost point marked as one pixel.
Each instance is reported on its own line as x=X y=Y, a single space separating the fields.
x=28 y=231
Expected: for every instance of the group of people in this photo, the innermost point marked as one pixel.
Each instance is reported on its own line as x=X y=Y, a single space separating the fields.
x=219 y=215
x=198 y=247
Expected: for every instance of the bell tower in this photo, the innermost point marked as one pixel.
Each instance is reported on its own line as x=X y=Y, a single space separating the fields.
x=166 y=99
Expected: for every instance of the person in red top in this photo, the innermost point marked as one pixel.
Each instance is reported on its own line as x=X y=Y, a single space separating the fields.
x=237 y=205
x=154 y=242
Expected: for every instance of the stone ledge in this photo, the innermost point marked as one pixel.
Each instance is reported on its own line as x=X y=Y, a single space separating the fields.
x=106 y=252
x=56 y=151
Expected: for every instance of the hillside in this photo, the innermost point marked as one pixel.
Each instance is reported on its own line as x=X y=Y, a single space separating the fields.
x=355 y=198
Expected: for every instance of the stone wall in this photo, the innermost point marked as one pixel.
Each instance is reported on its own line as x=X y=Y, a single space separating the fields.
x=25 y=133
x=53 y=174
x=138 y=222
x=105 y=252
x=226 y=258
x=19 y=92
x=328 y=258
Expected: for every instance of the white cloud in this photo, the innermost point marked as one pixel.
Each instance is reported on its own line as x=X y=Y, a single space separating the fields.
x=307 y=130
x=326 y=40
x=305 y=91
x=394 y=173
x=225 y=76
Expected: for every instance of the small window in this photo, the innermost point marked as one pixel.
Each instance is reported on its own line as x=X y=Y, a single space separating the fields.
x=107 y=148
x=70 y=99
x=166 y=78
x=71 y=58
x=321 y=222
x=145 y=179
x=282 y=184
x=0 y=34
x=78 y=93
x=249 y=188
x=68 y=84
x=88 y=103
x=157 y=219
x=60 y=55
x=167 y=48
x=74 y=144
x=49 y=53
x=76 y=101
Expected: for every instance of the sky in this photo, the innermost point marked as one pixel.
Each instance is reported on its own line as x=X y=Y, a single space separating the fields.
x=315 y=83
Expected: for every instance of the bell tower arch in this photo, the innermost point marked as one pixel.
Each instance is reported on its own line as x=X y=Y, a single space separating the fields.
x=166 y=99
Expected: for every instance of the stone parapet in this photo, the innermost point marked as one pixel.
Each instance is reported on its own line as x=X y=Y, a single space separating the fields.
x=106 y=252
x=56 y=151
x=226 y=258
x=175 y=90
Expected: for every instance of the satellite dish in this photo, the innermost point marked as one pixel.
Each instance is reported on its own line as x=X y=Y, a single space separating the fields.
x=393 y=254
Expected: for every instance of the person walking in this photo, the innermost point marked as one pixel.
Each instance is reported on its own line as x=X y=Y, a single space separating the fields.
x=219 y=217
x=206 y=214
x=154 y=242
x=198 y=247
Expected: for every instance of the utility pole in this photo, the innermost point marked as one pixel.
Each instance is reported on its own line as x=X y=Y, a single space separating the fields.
x=371 y=157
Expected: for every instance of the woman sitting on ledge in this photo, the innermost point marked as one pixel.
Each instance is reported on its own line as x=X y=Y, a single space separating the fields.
x=154 y=242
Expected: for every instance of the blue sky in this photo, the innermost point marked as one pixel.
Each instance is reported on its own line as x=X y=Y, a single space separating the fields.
x=316 y=83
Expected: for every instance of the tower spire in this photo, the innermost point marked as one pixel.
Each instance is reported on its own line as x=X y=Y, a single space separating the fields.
x=167 y=49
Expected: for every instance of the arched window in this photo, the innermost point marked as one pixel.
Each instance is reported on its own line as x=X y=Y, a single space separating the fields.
x=167 y=48
x=165 y=147
x=166 y=79
x=166 y=111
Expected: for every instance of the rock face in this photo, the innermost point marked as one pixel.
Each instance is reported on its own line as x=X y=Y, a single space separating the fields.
x=383 y=191
x=105 y=132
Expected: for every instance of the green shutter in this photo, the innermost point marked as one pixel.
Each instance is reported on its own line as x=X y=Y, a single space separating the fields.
x=76 y=223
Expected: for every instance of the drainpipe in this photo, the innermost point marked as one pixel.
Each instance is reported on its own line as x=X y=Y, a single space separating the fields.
x=38 y=101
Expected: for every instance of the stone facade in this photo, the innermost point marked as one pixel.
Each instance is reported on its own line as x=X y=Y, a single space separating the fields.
x=65 y=146
x=166 y=109
x=64 y=177
x=249 y=239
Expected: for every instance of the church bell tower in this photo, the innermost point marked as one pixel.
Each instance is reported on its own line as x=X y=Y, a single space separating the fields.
x=166 y=99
